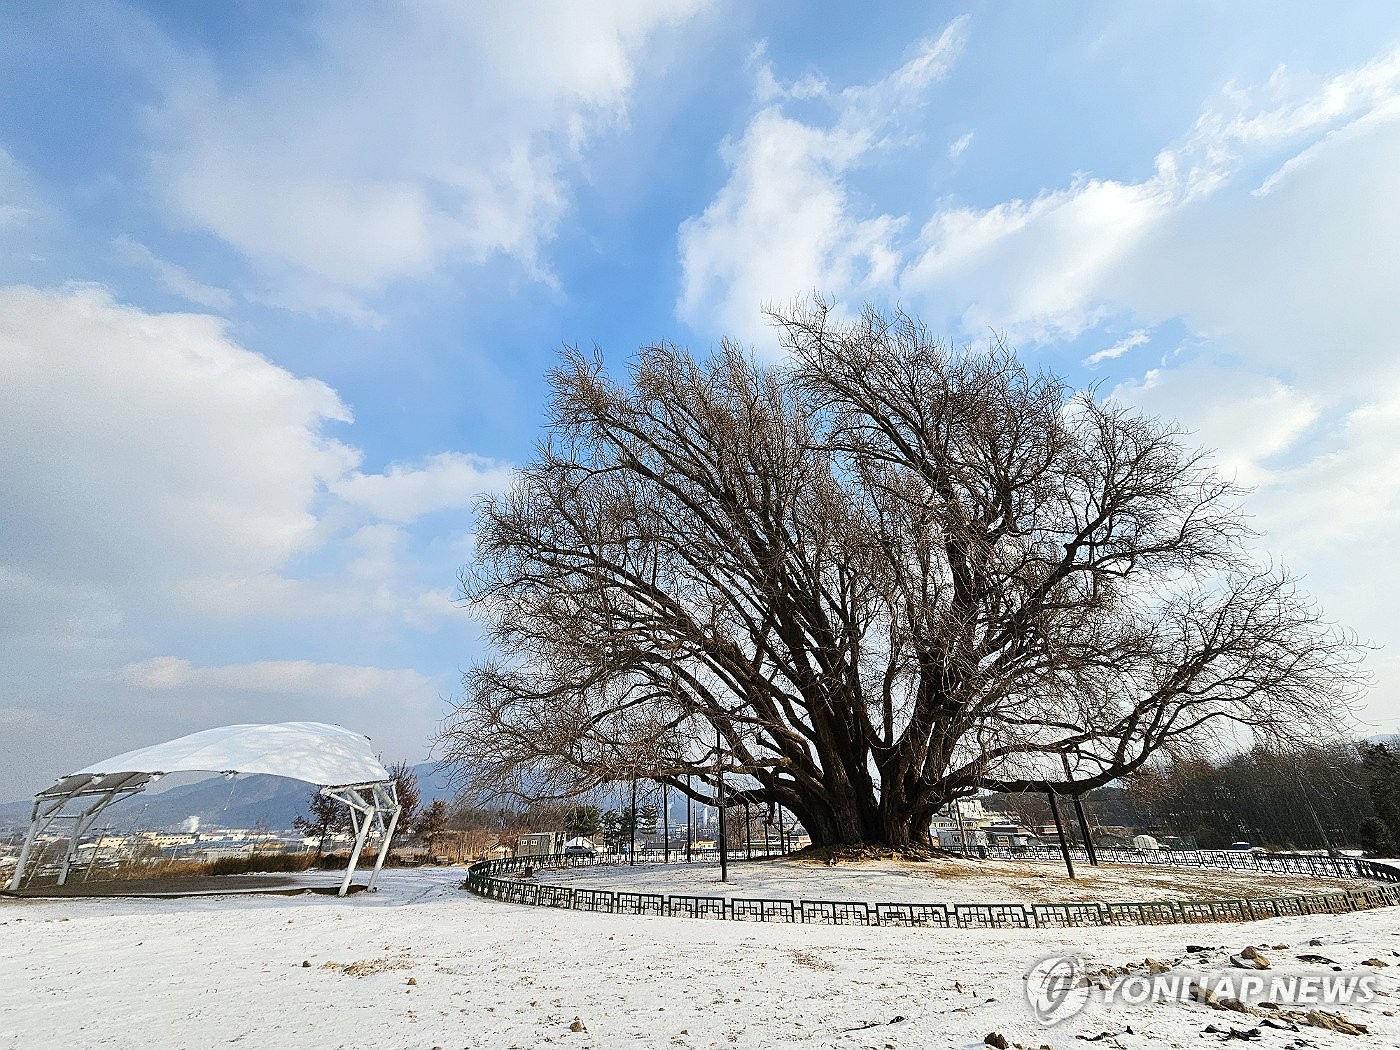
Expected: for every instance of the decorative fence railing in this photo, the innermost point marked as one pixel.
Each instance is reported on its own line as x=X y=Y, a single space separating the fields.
x=1315 y=865
x=485 y=880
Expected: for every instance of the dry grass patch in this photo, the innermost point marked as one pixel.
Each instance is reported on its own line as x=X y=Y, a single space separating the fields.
x=831 y=855
x=365 y=967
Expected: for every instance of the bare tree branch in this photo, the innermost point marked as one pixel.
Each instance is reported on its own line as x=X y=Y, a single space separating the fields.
x=881 y=574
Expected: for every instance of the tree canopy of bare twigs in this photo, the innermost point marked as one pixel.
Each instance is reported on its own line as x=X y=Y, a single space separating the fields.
x=869 y=580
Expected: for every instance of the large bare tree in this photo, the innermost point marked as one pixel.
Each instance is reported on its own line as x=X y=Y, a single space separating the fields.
x=867 y=581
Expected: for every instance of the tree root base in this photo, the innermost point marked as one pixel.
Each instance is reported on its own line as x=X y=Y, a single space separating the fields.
x=856 y=854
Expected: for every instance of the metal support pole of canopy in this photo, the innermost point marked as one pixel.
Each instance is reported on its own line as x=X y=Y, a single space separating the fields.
x=81 y=822
x=34 y=829
x=48 y=808
x=365 y=814
x=354 y=858
x=389 y=799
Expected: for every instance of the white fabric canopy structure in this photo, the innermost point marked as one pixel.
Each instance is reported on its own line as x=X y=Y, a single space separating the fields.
x=320 y=754
x=338 y=761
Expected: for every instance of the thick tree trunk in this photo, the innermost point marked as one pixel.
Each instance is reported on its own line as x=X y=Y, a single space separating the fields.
x=850 y=821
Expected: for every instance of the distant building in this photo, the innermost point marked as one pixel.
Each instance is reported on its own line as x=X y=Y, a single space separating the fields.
x=540 y=844
x=952 y=839
x=167 y=839
x=981 y=827
x=960 y=826
x=1007 y=834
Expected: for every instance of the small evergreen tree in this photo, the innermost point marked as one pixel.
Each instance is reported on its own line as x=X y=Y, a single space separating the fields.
x=1381 y=764
x=581 y=821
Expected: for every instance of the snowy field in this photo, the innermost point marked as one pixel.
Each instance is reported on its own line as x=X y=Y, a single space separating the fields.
x=229 y=971
x=947 y=881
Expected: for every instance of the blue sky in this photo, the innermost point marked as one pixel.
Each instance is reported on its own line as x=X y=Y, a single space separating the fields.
x=278 y=284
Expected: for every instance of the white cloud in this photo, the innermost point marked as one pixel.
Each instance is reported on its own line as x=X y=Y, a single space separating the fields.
x=64 y=617
x=1188 y=241
x=780 y=227
x=447 y=481
x=174 y=279
x=403 y=137
x=151 y=457
x=1246 y=418
x=1031 y=267
x=28 y=218
x=1050 y=265
x=1269 y=231
x=1296 y=280
x=168 y=490
x=1342 y=504
x=146 y=450
x=301 y=679
x=959 y=145
x=106 y=711
x=1118 y=349
x=785 y=224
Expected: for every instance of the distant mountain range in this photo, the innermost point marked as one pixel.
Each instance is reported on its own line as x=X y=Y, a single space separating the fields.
x=217 y=802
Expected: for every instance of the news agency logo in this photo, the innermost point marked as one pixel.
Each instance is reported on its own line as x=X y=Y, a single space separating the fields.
x=1059 y=987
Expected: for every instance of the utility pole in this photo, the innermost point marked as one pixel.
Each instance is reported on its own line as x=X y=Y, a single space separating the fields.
x=1079 y=814
x=665 y=823
x=719 y=781
x=1084 y=831
x=1060 y=832
x=687 y=818
x=632 y=848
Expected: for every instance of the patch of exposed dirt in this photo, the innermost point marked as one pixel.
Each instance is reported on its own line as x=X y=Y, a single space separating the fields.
x=365 y=967
x=861 y=854
x=811 y=961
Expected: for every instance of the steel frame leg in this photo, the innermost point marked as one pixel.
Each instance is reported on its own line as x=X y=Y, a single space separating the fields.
x=38 y=821
x=84 y=821
x=396 y=811
x=364 y=815
x=355 y=856
x=25 y=850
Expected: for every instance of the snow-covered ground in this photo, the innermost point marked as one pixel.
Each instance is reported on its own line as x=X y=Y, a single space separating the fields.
x=953 y=881
x=229 y=971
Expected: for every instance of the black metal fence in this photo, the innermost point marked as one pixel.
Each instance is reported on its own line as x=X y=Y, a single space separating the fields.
x=1317 y=866
x=485 y=880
